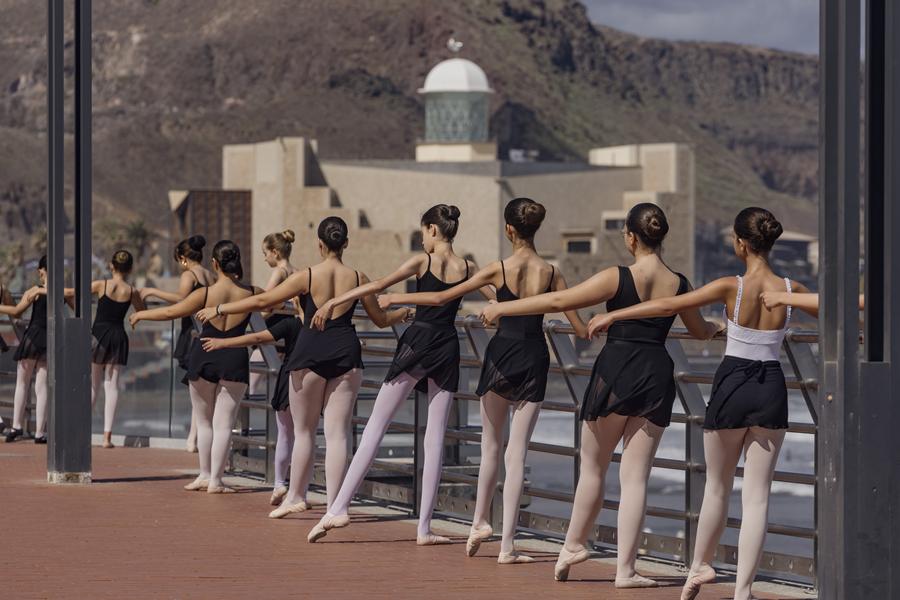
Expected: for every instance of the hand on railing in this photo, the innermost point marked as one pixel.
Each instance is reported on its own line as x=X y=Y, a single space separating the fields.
x=384 y=301
x=207 y=314
x=490 y=313
x=599 y=324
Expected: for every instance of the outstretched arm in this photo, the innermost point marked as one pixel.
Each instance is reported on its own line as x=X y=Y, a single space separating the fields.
x=185 y=308
x=415 y=266
x=185 y=286
x=599 y=288
x=380 y=317
x=800 y=299
x=490 y=275
x=296 y=284
x=716 y=291
x=16 y=311
x=697 y=325
x=559 y=285
x=250 y=339
x=136 y=301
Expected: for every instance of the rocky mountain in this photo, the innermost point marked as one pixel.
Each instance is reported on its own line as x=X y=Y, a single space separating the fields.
x=174 y=80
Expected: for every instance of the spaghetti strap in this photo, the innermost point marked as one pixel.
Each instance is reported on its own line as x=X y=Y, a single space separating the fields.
x=310 y=280
x=504 y=272
x=196 y=279
x=788 y=319
x=737 y=301
x=205 y=295
x=357 y=279
x=467 y=270
x=104 y=286
x=428 y=268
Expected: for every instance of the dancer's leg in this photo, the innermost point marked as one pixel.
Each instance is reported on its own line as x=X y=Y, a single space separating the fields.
x=598 y=443
x=640 y=443
x=228 y=401
x=494 y=410
x=439 y=403
x=256 y=378
x=111 y=395
x=390 y=399
x=203 y=401
x=722 y=450
x=96 y=381
x=340 y=397
x=525 y=416
x=284 y=446
x=761 y=448
x=40 y=392
x=307 y=397
x=24 y=369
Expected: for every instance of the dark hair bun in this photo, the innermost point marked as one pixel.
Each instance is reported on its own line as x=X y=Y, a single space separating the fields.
x=758 y=228
x=333 y=233
x=443 y=216
x=654 y=229
x=525 y=216
x=452 y=212
x=535 y=213
x=770 y=229
x=197 y=242
x=648 y=223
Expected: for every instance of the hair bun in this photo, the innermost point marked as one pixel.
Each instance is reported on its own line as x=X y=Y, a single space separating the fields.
x=655 y=230
x=771 y=229
x=452 y=213
x=288 y=236
x=535 y=213
x=336 y=236
x=197 y=242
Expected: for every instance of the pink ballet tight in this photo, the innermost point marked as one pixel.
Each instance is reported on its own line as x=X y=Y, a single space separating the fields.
x=309 y=394
x=109 y=375
x=598 y=444
x=24 y=370
x=390 y=399
x=494 y=410
x=215 y=407
x=256 y=378
x=284 y=446
x=723 y=451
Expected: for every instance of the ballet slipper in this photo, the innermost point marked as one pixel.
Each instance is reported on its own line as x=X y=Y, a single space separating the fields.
x=476 y=536
x=693 y=583
x=285 y=510
x=330 y=522
x=635 y=581
x=568 y=559
x=197 y=485
x=108 y=445
x=512 y=557
x=277 y=496
x=432 y=540
x=220 y=489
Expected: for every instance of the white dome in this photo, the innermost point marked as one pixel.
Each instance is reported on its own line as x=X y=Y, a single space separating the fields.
x=456 y=75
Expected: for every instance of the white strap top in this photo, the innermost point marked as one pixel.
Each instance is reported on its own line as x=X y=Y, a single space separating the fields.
x=754 y=344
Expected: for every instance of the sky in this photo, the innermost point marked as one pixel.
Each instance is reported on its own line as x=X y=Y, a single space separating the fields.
x=783 y=24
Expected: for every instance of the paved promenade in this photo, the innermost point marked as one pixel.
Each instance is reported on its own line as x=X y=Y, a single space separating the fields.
x=135 y=533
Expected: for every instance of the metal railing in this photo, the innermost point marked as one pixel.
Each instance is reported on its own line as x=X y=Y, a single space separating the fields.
x=458 y=434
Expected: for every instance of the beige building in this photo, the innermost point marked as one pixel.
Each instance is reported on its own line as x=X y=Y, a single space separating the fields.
x=382 y=200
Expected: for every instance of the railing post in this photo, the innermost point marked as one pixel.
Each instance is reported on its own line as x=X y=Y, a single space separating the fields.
x=694 y=480
x=273 y=364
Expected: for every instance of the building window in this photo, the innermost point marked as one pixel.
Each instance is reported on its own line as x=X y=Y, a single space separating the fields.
x=615 y=224
x=579 y=246
x=415 y=242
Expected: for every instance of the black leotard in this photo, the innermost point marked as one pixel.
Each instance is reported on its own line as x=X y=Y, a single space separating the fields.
x=517 y=360
x=287 y=330
x=109 y=342
x=33 y=344
x=632 y=375
x=224 y=364
x=429 y=348
x=331 y=352
x=185 y=340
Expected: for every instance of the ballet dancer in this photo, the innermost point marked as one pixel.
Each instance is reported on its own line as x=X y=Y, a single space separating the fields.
x=515 y=369
x=427 y=358
x=189 y=255
x=325 y=366
x=748 y=408
x=217 y=379
x=31 y=356
x=277 y=253
x=631 y=390
x=109 y=342
x=287 y=330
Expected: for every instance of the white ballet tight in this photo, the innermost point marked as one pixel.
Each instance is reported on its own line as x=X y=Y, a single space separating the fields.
x=284 y=446
x=215 y=407
x=494 y=410
x=24 y=370
x=110 y=389
x=390 y=399
x=598 y=444
x=256 y=378
x=309 y=395
x=723 y=451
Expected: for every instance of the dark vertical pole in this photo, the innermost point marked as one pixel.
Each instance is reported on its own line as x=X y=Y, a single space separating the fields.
x=837 y=450
x=69 y=447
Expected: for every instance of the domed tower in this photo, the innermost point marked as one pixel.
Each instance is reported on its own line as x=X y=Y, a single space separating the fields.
x=456 y=114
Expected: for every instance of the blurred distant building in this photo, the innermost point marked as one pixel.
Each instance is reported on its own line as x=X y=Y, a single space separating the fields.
x=382 y=200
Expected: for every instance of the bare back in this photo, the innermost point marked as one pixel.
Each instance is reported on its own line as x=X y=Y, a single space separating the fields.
x=117 y=290
x=329 y=280
x=448 y=267
x=527 y=274
x=223 y=291
x=753 y=314
x=653 y=279
x=202 y=276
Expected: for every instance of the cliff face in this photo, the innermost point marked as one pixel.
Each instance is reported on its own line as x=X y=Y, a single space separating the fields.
x=175 y=80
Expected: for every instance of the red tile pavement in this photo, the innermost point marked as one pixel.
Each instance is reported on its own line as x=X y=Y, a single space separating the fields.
x=134 y=533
